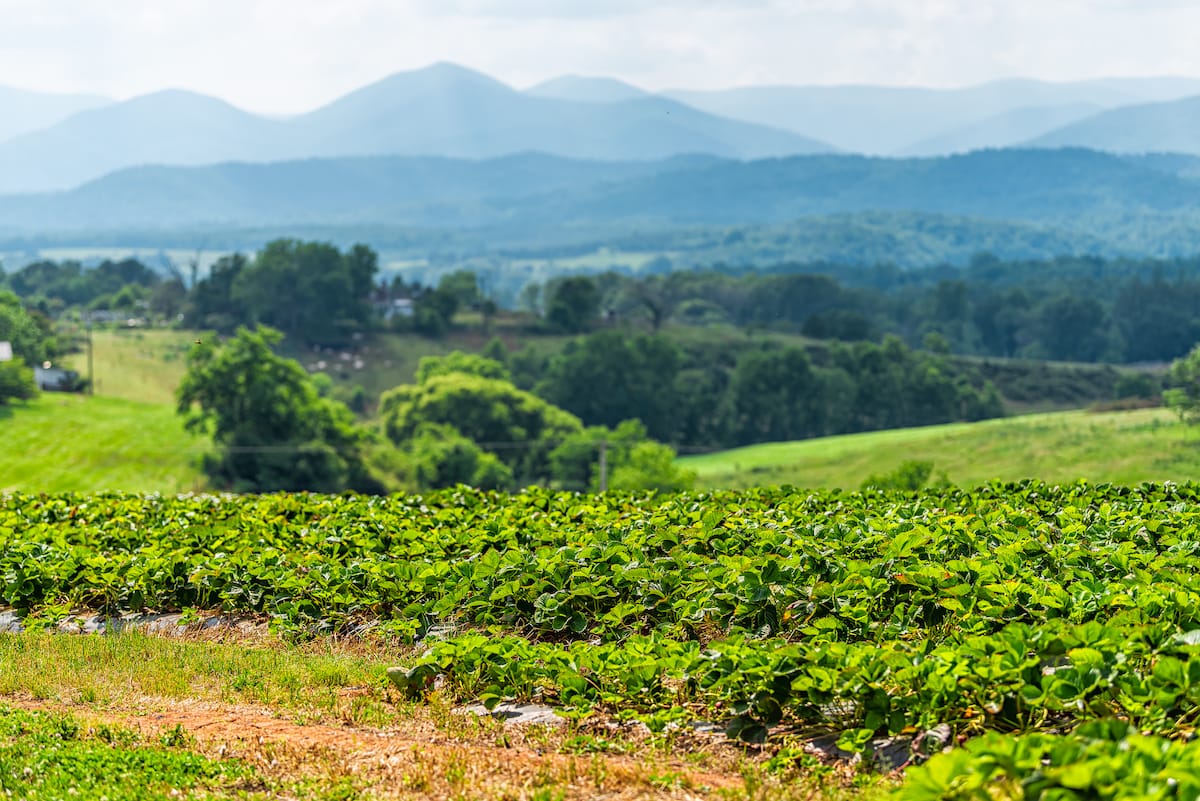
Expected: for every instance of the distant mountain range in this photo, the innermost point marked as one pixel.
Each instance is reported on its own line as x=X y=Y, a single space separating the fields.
x=900 y=120
x=545 y=191
x=1169 y=127
x=58 y=142
x=22 y=111
x=443 y=110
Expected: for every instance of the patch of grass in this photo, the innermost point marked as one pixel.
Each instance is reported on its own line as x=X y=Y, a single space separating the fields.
x=1121 y=447
x=105 y=670
x=136 y=364
x=73 y=443
x=50 y=755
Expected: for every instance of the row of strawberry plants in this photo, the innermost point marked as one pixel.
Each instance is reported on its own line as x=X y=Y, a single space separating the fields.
x=1054 y=675
x=553 y=565
x=1099 y=761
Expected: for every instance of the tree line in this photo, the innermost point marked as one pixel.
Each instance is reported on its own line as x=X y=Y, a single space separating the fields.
x=1084 y=309
x=707 y=394
x=1068 y=309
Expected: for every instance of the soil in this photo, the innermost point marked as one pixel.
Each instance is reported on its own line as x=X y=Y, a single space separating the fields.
x=415 y=759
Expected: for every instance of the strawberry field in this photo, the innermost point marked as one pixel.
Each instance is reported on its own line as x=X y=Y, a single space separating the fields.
x=1050 y=636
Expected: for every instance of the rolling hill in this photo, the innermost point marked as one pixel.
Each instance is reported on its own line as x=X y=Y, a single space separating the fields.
x=22 y=111
x=1170 y=127
x=1121 y=447
x=542 y=191
x=1003 y=129
x=884 y=120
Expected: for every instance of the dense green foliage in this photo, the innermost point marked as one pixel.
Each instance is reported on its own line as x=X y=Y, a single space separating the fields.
x=1055 y=630
x=1012 y=609
x=701 y=393
x=1183 y=387
x=29 y=338
x=309 y=290
x=1068 y=308
x=464 y=422
x=111 y=284
x=272 y=428
x=1104 y=760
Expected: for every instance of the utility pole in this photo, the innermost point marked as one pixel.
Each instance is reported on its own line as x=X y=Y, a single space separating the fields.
x=604 y=465
x=91 y=387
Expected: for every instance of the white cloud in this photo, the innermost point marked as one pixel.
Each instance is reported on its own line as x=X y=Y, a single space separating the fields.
x=289 y=55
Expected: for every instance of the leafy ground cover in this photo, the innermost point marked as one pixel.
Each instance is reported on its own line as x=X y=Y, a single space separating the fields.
x=75 y=443
x=1048 y=627
x=51 y=756
x=1126 y=447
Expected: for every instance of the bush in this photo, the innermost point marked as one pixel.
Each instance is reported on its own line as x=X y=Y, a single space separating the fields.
x=911 y=475
x=16 y=381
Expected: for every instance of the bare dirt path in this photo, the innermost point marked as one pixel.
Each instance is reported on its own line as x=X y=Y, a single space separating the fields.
x=414 y=759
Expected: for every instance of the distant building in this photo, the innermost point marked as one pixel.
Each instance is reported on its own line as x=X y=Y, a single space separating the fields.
x=55 y=379
x=395 y=307
x=6 y=353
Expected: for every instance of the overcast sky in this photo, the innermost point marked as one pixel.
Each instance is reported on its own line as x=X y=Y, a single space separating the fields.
x=291 y=55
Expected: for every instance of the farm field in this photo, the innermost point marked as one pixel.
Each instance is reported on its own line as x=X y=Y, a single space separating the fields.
x=1013 y=641
x=1126 y=447
x=60 y=443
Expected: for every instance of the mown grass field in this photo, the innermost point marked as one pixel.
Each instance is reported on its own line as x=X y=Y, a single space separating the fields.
x=136 y=364
x=1122 y=447
x=73 y=443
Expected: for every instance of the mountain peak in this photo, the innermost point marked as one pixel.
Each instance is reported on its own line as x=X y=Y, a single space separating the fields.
x=586 y=89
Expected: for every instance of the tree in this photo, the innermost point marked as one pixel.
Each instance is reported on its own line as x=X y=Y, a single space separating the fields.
x=651 y=465
x=439 y=456
x=608 y=377
x=1183 y=382
x=31 y=344
x=460 y=362
x=272 y=429
x=16 y=381
x=518 y=427
x=29 y=335
x=572 y=304
x=776 y=396
x=634 y=461
x=308 y=289
x=211 y=303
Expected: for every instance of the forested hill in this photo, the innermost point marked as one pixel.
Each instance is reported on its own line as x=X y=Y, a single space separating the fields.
x=1072 y=187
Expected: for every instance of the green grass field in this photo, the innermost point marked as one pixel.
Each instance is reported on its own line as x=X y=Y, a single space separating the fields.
x=136 y=364
x=1123 y=447
x=73 y=443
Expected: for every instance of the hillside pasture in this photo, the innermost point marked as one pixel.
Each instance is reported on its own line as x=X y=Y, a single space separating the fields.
x=1126 y=447
x=75 y=443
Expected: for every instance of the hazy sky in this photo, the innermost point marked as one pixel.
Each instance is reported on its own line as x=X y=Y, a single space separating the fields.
x=290 y=55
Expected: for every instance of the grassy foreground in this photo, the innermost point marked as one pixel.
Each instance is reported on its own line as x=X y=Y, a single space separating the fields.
x=1120 y=447
x=134 y=718
x=73 y=443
